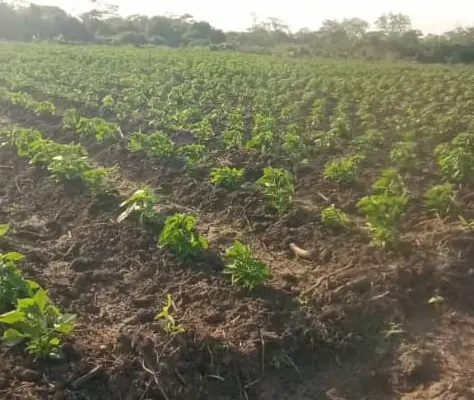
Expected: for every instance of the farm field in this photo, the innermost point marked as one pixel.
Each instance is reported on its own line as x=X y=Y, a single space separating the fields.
x=231 y=226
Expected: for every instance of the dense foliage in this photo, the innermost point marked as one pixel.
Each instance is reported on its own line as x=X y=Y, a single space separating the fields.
x=391 y=36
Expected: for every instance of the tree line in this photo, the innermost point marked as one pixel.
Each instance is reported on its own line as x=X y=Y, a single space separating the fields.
x=391 y=36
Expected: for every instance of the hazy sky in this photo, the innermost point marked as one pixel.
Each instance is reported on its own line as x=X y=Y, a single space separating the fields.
x=427 y=15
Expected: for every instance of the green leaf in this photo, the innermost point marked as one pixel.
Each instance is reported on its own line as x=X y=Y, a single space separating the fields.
x=65 y=323
x=54 y=342
x=13 y=337
x=12 y=256
x=32 y=285
x=41 y=299
x=4 y=229
x=12 y=317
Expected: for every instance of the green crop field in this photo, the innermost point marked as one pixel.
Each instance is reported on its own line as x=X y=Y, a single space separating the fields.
x=191 y=224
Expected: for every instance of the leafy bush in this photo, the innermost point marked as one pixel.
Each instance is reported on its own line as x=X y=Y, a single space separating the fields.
x=227 y=177
x=383 y=215
x=278 y=187
x=342 y=170
x=390 y=183
x=440 y=198
x=181 y=237
x=155 y=145
x=140 y=205
x=245 y=269
x=38 y=323
x=334 y=217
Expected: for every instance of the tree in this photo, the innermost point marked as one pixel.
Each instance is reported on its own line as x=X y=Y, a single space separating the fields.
x=393 y=24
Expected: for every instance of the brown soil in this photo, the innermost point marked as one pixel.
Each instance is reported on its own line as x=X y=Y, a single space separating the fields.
x=349 y=323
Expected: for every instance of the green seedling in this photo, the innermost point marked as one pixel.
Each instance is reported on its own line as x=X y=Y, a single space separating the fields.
x=342 y=170
x=441 y=199
x=140 y=205
x=169 y=322
x=155 y=145
x=181 y=237
x=245 y=269
x=39 y=324
x=230 y=178
x=278 y=187
x=333 y=217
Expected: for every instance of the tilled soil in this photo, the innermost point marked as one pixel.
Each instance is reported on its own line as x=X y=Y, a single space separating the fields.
x=349 y=323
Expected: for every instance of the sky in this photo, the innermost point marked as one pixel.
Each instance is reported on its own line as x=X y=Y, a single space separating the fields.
x=431 y=16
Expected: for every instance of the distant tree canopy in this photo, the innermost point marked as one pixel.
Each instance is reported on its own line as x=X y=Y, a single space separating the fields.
x=392 y=35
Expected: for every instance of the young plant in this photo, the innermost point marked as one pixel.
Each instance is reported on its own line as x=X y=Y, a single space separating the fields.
x=181 y=237
x=140 y=205
x=333 y=217
x=278 y=187
x=98 y=128
x=38 y=323
x=383 y=215
x=169 y=322
x=368 y=142
x=155 y=145
x=404 y=154
x=195 y=155
x=456 y=158
x=63 y=168
x=390 y=183
x=230 y=178
x=440 y=199
x=295 y=148
x=245 y=269
x=342 y=170
x=12 y=285
x=98 y=180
